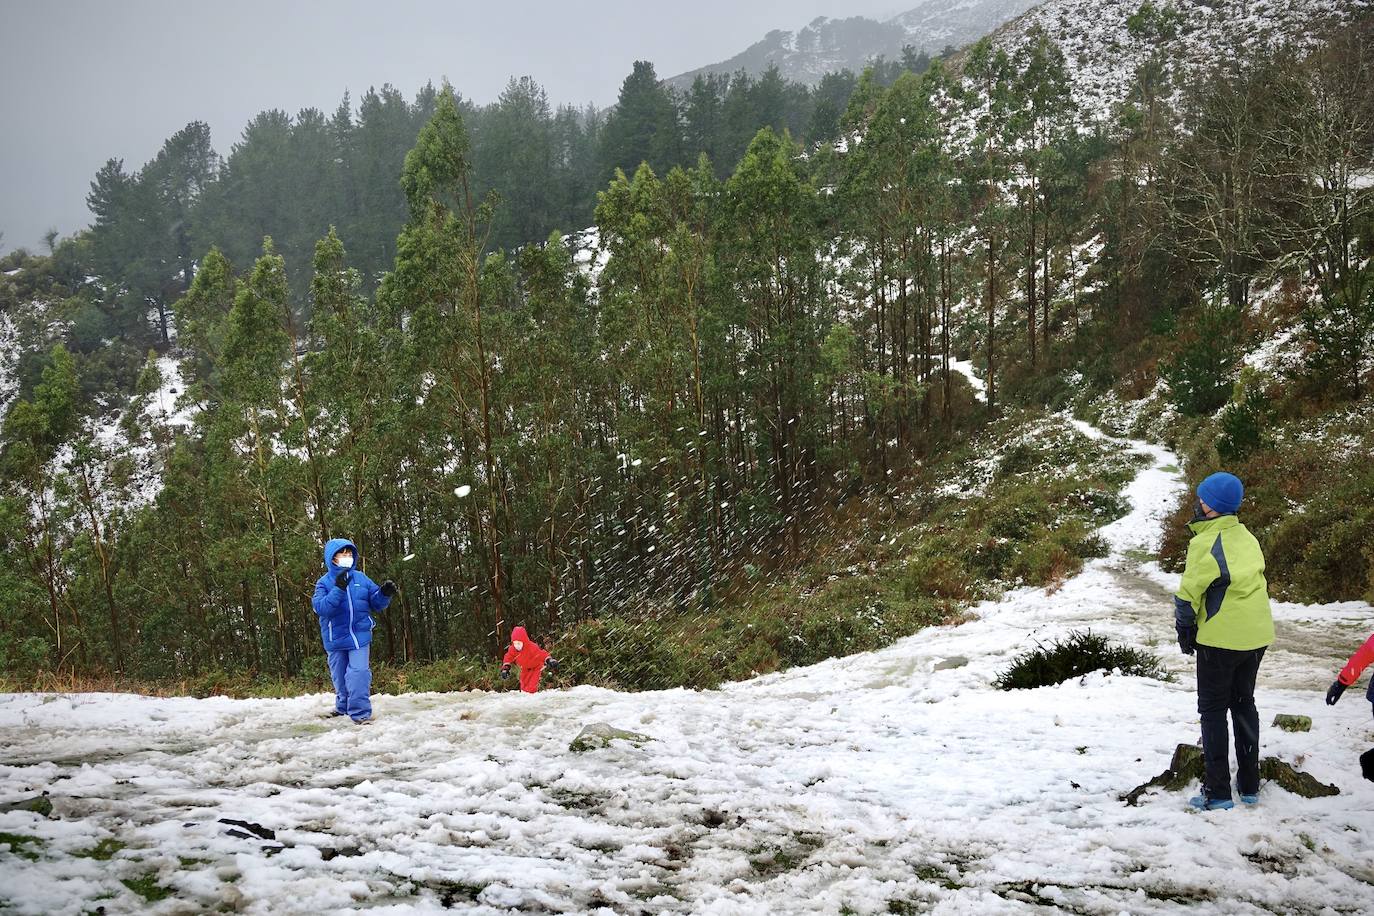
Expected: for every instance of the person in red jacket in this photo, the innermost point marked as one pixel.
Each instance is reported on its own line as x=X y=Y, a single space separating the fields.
x=530 y=658
x=1362 y=659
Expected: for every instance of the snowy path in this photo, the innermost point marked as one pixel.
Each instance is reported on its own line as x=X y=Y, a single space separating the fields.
x=895 y=781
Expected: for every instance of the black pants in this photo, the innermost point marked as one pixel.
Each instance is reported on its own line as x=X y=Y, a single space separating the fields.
x=1367 y=758
x=1226 y=682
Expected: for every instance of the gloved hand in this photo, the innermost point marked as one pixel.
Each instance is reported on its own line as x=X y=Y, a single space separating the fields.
x=1187 y=639
x=552 y=664
x=388 y=588
x=341 y=580
x=505 y=672
x=1334 y=693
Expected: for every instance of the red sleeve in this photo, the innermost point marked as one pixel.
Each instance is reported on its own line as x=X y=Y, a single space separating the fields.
x=540 y=656
x=1361 y=660
x=510 y=655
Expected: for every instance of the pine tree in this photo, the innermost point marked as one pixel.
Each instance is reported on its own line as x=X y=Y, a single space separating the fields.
x=643 y=126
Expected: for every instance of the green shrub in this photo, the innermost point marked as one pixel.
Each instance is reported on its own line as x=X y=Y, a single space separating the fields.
x=1245 y=422
x=634 y=654
x=1199 y=372
x=1077 y=654
x=937 y=571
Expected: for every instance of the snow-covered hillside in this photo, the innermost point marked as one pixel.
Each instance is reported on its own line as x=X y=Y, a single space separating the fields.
x=828 y=45
x=895 y=781
x=1103 y=55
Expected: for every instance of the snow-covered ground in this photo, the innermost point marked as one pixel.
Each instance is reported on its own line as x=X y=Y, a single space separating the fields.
x=894 y=781
x=965 y=368
x=1103 y=55
x=9 y=358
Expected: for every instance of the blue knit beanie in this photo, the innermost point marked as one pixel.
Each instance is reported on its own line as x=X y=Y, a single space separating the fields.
x=1222 y=492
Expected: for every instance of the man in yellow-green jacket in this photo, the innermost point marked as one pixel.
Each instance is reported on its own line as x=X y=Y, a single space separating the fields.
x=1222 y=612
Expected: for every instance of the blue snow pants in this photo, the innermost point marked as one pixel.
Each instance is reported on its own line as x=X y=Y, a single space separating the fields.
x=352 y=682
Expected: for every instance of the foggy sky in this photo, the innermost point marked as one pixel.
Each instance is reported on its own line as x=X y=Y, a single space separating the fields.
x=82 y=81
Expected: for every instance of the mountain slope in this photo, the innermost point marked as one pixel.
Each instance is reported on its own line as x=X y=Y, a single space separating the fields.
x=1106 y=41
x=827 y=45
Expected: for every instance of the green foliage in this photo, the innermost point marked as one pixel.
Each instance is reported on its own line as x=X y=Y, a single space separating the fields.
x=1200 y=372
x=1245 y=421
x=102 y=851
x=1077 y=654
x=146 y=886
x=656 y=455
x=20 y=844
x=1340 y=328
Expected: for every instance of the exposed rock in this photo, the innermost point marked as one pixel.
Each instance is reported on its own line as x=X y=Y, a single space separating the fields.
x=257 y=830
x=1293 y=723
x=1186 y=767
x=1304 y=784
x=599 y=735
x=39 y=804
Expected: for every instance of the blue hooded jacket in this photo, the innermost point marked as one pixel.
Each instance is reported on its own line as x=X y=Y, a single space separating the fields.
x=346 y=614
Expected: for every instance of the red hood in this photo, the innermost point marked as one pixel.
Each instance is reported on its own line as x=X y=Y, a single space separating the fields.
x=519 y=635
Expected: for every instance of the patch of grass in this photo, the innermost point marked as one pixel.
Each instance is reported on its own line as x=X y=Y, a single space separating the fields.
x=19 y=845
x=102 y=851
x=768 y=860
x=146 y=886
x=574 y=800
x=1077 y=654
x=455 y=893
x=936 y=874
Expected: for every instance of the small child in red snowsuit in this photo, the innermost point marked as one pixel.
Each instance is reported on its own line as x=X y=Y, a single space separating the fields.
x=1362 y=659
x=530 y=658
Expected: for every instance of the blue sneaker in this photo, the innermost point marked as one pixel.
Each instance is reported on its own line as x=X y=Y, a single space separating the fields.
x=1203 y=803
x=1249 y=799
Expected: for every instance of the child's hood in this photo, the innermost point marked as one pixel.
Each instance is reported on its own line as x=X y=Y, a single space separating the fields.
x=334 y=546
x=518 y=634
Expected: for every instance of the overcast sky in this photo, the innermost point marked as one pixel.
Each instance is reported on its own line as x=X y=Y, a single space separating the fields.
x=81 y=82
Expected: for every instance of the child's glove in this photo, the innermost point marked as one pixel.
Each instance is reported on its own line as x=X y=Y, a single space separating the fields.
x=341 y=580
x=388 y=588
x=505 y=672
x=552 y=663
x=1334 y=693
x=1187 y=639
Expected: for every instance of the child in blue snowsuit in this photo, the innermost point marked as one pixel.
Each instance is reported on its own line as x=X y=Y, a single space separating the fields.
x=344 y=600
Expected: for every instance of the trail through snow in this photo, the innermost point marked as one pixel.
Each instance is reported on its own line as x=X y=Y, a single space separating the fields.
x=894 y=781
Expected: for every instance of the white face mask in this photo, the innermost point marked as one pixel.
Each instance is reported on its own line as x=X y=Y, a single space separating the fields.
x=518 y=645
x=344 y=562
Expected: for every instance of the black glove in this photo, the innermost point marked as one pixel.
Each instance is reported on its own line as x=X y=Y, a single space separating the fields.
x=552 y=663
x=1334 y=693
x=341 y=580
x=505 y=672
x=388 y=588
x=1187 y=639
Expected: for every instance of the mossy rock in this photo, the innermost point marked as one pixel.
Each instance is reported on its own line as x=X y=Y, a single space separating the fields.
x=598 y=735
x=1304 y=784
x=39 y=804
x=1293 y=723
x=1186 y=767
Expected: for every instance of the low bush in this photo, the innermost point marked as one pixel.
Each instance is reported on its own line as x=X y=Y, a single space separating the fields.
x=1077 y=654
